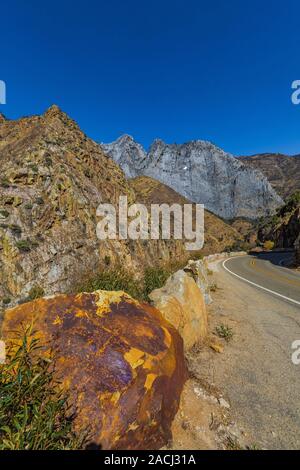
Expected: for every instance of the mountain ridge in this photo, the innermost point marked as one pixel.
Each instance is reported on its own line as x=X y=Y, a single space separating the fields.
x=202 y=172
x=283 y=171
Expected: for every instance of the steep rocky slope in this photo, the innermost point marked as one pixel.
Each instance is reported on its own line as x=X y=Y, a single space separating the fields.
x=201 y=172
x=53 y=178
x=282 y=171
x=284 y=227
x=218 y=235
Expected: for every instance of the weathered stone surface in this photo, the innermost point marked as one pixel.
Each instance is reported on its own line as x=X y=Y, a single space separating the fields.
x=198 y=270
x=201 y=172
x=121 y=361
x=182 y=303
x=284 y=228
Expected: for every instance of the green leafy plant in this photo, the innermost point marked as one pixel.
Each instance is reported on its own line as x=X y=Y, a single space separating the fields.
x=35 y=293
x=269 y=245
x=16 y=229
x=224 y=331
x=5 y=183
x=4 y=213
x=40 y=201
x=34 y=413
x=120 y=279
x=112 y=279
x=107 y=260
x=23 y=245
x=48 y=161
x=34 y=167
x=154 y=278
x=213 y=287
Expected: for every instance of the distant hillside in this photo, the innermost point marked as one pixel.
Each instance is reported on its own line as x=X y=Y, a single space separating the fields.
x=218 y=234
x=282 y=171
x=284 y=227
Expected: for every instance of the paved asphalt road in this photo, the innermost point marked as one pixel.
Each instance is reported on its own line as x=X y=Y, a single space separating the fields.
x=267 y=271
x=256 y=370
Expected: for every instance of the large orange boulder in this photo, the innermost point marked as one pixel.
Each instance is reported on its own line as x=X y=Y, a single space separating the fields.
x=121 y=362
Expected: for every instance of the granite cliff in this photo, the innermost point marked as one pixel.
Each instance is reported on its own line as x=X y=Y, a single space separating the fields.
x=201 y=172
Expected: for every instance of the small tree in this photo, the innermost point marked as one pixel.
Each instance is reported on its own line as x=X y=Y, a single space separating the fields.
x=269 y=245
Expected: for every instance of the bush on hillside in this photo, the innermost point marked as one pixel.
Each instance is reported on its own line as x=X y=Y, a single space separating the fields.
x=34 y=414
x=269 y=245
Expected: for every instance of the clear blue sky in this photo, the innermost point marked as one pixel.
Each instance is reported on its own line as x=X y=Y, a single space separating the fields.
x=179 y=70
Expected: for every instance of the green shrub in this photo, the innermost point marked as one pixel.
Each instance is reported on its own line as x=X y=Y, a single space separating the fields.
x=5 y=183
x=39 y=201
x=23 y=245
x=154 y=278
x=224 y=331
x=112 y=279
x=35 y=293
x=107 y=260
x=15 y=228
x=4 y=213
x=120 y=279
x=34 y=414
x=269 y=245
x=6 y=300
x=48 y=161
x=213 y=287
x=34 y=167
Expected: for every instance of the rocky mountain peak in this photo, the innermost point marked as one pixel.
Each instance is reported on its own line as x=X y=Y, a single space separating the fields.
x=54 y=113
x=127 y=153
x=53 y=110
x=125 y=139
x=2 y=118
x=201 y=172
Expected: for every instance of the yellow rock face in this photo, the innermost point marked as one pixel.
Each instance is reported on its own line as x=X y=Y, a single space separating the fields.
x=121 y=362
x=182 y=304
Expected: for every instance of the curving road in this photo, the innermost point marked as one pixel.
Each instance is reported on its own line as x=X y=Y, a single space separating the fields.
x=266 y=272
x=260 y=300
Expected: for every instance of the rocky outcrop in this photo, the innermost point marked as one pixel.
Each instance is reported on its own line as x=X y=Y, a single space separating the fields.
x=121 y=362
x=283 y=171
x=128 y=154
x=284 y=227
x=182 y=303
x=201 y=172
x=197 y=269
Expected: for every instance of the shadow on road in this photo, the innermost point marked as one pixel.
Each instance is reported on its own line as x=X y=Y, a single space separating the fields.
x=279 y=258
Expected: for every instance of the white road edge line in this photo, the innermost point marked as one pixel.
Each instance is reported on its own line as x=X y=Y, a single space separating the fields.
x=257 y=285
